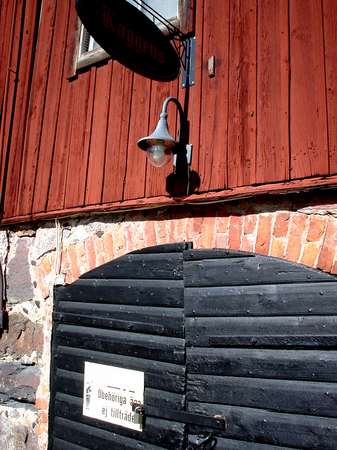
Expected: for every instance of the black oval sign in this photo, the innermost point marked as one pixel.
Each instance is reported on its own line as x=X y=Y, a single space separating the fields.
x=130 y=37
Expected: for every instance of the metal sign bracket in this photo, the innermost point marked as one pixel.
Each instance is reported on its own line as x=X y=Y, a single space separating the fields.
x=189 y=62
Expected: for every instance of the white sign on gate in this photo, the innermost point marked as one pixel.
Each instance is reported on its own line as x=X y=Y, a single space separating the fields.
x=109 y=393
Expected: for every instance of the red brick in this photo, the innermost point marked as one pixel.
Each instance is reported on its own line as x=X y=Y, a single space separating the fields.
x=172 y=229
x=150 y=234
x=108 y=246
x=41 y=403
x=207 y=236
x=278 y=248
x=180 y=231
x=281 y=224
x=234 y=233
x=247 y=243
x=90 y=253
x=222 y=224
x=99 y=250
x=65 y=263
x=43 y=417
x=326 y=257
x=334 y=268
x=162 y=234
x=189 y=230
x=221 y=240
x=197 y=224
x=316 y=228
x=296 y=236
x=263 y=234
x=310 y=253
x=45 y=266
x=128 y=238
x=41 y=283
x=81 y=257
x=250 y=224
x=73 y=259
x=138 y=230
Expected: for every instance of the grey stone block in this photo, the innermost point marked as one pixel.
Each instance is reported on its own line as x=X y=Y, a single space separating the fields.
x=18 y=383
x=19 y=283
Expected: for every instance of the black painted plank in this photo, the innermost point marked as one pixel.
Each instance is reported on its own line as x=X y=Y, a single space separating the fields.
x=298 y=397
x=251 y=271
x=165 y=433
x=158 y=375
x=231 y=444
x=167 y=293
x=262 y=426
x=208 y=331
x=312 y=365
x=72 y=383
x=99 y=439
x=60 y=444
x=276 y=341
x=121 y=342
x=165 y=248
x=265 y=300
x=214 y=253
x=156 y=321
x=160 y=266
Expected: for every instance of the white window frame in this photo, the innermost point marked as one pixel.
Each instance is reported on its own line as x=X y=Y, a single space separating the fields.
x=94 y=55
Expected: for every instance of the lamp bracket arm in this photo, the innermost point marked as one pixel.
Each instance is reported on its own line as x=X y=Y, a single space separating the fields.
x=182 y=116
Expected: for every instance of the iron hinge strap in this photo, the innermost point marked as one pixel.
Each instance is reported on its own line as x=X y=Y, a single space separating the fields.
x=215 y=422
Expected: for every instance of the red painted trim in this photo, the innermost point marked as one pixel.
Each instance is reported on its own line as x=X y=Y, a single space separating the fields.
x=195 y=199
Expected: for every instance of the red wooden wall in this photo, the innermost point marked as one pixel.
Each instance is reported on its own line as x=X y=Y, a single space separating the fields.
x=268 y=117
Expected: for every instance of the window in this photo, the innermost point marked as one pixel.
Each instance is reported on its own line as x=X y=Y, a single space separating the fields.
x=89 y=52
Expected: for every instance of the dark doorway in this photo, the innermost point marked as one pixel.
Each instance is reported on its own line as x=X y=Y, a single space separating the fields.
x=249 y=338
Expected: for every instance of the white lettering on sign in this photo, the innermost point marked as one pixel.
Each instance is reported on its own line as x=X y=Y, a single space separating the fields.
x=109 y=393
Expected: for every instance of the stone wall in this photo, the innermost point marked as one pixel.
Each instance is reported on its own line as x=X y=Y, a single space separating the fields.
x=33 y=259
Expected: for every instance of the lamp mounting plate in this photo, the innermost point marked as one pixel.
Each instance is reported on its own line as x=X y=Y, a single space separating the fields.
x=189 y=148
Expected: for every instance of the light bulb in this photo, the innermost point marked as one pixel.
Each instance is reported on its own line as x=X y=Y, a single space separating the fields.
x=159 y=155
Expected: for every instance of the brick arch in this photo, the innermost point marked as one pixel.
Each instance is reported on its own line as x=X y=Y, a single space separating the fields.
x=309 y=239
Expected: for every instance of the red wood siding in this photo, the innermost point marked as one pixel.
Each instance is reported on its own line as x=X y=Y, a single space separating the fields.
x=267 y=120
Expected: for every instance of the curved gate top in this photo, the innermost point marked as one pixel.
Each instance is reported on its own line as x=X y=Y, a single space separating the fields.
x=250 y=340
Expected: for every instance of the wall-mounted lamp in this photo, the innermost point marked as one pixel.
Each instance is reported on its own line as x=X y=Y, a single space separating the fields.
x=160 y=146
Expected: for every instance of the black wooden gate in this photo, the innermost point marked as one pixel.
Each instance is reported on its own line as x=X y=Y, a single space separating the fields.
x=227 y=334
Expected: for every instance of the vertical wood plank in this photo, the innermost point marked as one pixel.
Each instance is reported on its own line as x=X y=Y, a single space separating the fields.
x=36 y=109
x=23 y=71
x=330 y=41
x=10 y=58
x=55 y=193
x=192 y=96
x=7 y=15
x=272 y=158
x=308 y=118
x=78 y=154
x=118 y=131
x=214 y=119
x=134 y=184
x=55 y=197
x=156 y=177
x=242 y=93
x=100 y=120
x=52 y=105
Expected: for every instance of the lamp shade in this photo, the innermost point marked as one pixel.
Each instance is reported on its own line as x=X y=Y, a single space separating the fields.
x=160 y=136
